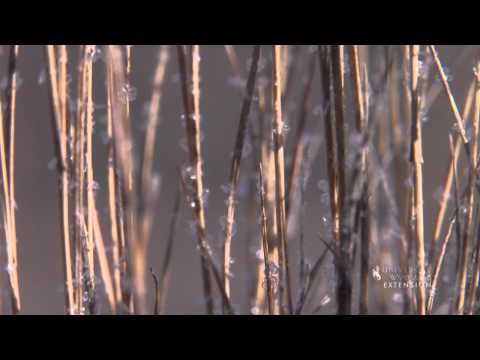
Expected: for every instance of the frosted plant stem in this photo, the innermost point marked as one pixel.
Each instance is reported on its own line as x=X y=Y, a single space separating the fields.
x=9 y=139
x=447 y=187
x=472 y=183
x=266 y=260
x=58 y=97
x=451 y=99
x=278 y=138
x=417 y=159
x=235 y=167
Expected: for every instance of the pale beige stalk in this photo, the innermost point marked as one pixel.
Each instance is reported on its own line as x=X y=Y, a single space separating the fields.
x=60 y=128
x=417 y=159
x=278 y=138
x=473 y=179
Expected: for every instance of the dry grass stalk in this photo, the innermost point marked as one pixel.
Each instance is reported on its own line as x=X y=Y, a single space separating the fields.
x=254 y=137
x=57 y=69
x=278 y=139
x=190 y=79
x=64 y=155
x=198 y=161
x=266 y=253
x=81 y=275
x=299 y=145
x=206 y=255
x=454 y=222
x=475 y=278
x=117 y=229
x=325 y=66
x=451 y=99
x=91 y=185
x=338 y=72
x=164 y=281
x=149 y=190
x=131 y=218
x=9 y=179
x=458 y=219
x=473 y=183
x=344 y=282
x=6 y=197
x=191 y=104
x=84 y=185
x=308 y=283
x=467 y=231
x=438 y=266
x=361 y=128
x=406 y=206
x=235 y=166
x=417 y=161
x=124 y=161
x=105 y=272
x=447 y=187
x=268 y=166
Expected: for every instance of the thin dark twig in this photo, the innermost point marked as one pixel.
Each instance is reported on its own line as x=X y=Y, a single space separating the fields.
x=165 y=274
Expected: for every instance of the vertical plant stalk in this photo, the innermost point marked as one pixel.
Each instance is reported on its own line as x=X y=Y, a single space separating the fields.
x=417 y=160
x=131 y=217
x=58 y=99
x=206 y=254
x=5 y=193
x=105 y=272
x=466 y=236
x=344 y=287
x=235 y=166
x=299 y=147
x=149 y=190
x=7 y=217
x=447 y=187
x=194 y=134
x=164 y=281
x=79 y=161
x=451 y=99
x=338 y=71
x=122 y=139
x=253 y=134
x=266 y=252
x=84 y=200
x=407 y=201
x=63 y=93
x=278 y=139
x=117 y=229
x=197 y=160
x=190 y=94
x=78 y=178
x=472 y=182
x=10 y=111
x=268 y=166
x=325 y=66
x=90 y=52
x=361 y=128
x=438 y=266
x=309 y=282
